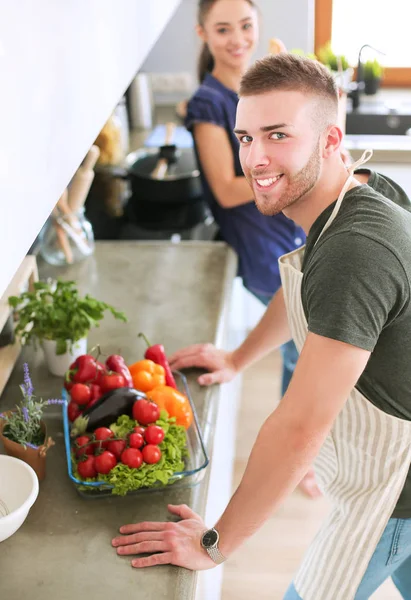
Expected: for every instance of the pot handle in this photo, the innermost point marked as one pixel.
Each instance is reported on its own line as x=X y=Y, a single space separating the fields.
x=160 y=170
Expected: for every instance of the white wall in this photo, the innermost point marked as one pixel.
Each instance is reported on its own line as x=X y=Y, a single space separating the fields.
x=177 y=49
x=64 y=66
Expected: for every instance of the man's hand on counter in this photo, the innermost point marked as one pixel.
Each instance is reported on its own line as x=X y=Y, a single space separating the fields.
x=219 y=363
x=168 y=543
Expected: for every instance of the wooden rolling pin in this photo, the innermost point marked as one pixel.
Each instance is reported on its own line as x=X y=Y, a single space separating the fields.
x=82 y=180
x=60 y=233
x=160 y=169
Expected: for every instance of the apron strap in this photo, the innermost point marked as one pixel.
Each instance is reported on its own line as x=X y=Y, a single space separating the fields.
x=361 y=161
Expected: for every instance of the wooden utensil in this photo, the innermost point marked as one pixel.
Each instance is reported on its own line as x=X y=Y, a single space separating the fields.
x=60 y=233
x=82 y=180
x=160 y=169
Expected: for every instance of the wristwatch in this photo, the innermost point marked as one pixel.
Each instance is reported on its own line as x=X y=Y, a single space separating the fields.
x=209 y=542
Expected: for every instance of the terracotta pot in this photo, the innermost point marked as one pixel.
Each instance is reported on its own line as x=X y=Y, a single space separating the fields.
x=36 y=458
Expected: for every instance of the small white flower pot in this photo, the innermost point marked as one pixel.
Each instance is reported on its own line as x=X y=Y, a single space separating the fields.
x=58 y=364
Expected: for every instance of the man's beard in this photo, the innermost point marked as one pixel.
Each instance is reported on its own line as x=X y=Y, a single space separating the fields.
x=298 y=186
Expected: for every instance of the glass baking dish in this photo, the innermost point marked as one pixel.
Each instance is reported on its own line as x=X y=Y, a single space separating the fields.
x=195 y=463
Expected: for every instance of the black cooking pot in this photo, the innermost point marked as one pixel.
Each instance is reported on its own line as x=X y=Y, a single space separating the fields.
x=179 y=184
x=166 y=189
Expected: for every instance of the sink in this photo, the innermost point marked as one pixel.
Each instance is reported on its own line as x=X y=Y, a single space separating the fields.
x=378 y=124
x=379 y=118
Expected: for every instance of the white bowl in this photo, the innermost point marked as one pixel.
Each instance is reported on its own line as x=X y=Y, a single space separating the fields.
x=19 y=488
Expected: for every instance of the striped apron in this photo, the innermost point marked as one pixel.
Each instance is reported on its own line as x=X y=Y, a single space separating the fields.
x=361 y=468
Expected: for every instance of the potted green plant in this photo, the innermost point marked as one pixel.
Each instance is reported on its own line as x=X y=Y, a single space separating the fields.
x=23 y=431
x=55 y=315
x=300 y=52
x=372 y=72
x=338 y=65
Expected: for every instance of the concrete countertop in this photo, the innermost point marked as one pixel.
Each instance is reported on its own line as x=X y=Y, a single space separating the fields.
x=386 y=148
x=177 y=294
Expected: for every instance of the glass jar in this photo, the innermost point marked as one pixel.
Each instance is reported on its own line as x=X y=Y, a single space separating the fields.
x=67 y=239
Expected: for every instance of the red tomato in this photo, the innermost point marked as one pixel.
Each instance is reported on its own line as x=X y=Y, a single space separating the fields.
x=136 y=440
x=80 y=394
x=151 y=454
x=101 y=434
x=112 y=381
x=139 y=430
x=145 y=412
x=132 y=458
x=154 y=434
x=73 y=411
x=116 y=447
x=82 y=446
x=105 y=462
x=101 y=371
x=86 y=468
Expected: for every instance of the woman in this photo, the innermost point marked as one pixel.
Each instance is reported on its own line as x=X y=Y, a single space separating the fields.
x=229 y=30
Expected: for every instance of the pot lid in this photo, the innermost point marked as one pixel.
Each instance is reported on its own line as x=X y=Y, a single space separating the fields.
x=182 y=163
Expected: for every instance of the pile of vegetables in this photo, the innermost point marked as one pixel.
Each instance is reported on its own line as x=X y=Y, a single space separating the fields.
x=129 y=456
x=128 y=422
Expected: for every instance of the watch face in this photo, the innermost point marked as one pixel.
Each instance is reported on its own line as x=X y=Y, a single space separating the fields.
x=210 y=538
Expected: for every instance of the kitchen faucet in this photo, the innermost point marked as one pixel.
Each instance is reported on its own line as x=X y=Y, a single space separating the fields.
x=356 y=87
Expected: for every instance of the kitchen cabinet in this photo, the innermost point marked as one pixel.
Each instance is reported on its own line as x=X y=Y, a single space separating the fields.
x=64 y=67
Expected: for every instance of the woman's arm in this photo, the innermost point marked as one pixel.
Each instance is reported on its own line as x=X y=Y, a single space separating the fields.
x=217 y=162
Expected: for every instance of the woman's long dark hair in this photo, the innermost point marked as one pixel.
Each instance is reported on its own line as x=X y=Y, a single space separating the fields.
x=206 y=61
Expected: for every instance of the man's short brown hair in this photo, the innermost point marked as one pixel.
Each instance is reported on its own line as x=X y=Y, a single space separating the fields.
x=290 y=72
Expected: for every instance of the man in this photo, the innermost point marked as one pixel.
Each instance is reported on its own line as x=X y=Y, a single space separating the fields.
x=346 y=302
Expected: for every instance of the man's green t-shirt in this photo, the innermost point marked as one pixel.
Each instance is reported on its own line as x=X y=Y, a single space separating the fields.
x=357 y=289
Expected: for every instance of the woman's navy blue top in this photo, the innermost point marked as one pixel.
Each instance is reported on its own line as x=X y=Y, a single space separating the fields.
x=258 y=240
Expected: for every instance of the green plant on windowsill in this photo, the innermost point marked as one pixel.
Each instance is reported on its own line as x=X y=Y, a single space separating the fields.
x=372 y=75
x=327 y=57
x=372 y=69
x=300 y=52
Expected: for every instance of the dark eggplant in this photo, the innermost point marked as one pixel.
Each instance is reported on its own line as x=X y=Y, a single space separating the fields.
x=106 y=410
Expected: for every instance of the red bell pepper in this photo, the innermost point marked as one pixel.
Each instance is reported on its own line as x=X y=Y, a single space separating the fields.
x=116 y=363
x=96 y=394
x=85 y=369
x=157 y=354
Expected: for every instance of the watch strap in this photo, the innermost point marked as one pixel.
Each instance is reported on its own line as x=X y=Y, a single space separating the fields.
x=215 y=555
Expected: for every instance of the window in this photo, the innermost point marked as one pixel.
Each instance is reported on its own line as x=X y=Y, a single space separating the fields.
x=351 y=23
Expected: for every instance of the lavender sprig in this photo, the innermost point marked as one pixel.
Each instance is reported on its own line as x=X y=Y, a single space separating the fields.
x=27 y=381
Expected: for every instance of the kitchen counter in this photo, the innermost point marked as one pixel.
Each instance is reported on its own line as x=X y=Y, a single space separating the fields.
x=386 y=148
x=177 y=294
